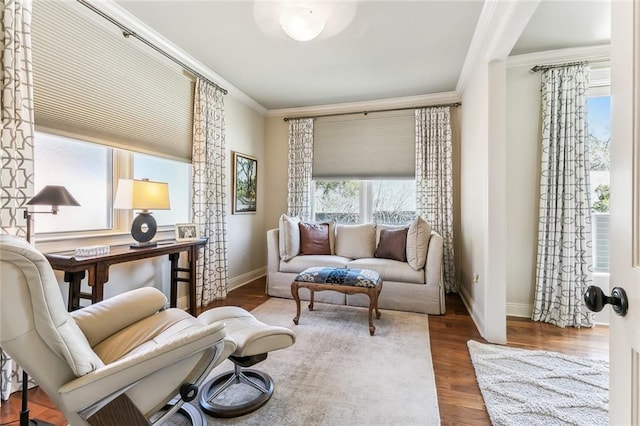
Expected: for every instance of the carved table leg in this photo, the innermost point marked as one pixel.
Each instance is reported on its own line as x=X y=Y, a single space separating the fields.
x=311 y=299
x=296 y=297
x=372 y=301
x=377 y=296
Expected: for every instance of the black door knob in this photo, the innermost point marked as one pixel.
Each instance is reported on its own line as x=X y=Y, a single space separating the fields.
x=595 y=299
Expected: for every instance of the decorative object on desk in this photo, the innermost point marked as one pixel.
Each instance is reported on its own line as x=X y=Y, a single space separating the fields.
x=54 y=196
x=245 y=183
x=50 y=195
x=89 y=251
x=187 y=232
x=142 y=195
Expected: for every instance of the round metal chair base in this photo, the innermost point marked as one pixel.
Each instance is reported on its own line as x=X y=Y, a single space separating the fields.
x=190 y=411
x=211 y=391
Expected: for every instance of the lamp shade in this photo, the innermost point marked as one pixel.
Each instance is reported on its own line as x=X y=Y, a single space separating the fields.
x=142 y=194
x=53 y=195
x=301 y=23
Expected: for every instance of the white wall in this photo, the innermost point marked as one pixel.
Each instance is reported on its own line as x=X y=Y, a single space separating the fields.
x=276 y=154
x=245 y=133
x=473 y=190
x=523 y=186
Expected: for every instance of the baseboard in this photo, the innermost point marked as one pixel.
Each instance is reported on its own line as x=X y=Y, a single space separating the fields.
x=232 y=283
x=466 y=299
x=522 y=310
x=240 y=280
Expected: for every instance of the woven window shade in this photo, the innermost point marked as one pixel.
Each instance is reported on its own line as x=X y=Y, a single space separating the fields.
x=93 y=84
x=377 y=145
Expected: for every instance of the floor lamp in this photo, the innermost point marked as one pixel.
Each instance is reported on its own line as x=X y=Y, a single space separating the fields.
x=54 y=196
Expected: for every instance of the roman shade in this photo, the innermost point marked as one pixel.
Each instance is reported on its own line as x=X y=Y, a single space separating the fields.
x=93 y=84
x=372 y=146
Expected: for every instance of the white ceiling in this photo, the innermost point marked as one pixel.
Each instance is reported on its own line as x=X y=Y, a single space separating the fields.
x=390 y=49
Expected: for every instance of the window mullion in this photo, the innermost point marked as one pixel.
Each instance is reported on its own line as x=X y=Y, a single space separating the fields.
x=365 y=201
x=122 y=169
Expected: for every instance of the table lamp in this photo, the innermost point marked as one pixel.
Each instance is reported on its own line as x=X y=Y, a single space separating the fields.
x=144 y=195
x=54 y=196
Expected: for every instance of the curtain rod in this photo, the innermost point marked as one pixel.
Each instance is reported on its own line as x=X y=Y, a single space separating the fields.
x=453 y=105
x=126 y=32
x=548 y=67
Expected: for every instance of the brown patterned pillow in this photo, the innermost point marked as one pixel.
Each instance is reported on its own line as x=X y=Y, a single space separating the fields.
x=393 y=244
x=314 y=238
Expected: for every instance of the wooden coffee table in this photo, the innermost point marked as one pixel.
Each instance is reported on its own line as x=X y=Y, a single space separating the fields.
x=346 y=281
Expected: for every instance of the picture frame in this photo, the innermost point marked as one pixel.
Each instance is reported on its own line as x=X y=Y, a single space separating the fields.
x=245 y=183
x=187 y=232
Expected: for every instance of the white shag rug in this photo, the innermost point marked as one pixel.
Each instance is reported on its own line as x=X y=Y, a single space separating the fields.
x=525 y=387
x=337 y=374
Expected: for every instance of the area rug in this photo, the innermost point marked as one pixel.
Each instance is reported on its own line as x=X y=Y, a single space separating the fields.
x=337 y=374
x=524 y=387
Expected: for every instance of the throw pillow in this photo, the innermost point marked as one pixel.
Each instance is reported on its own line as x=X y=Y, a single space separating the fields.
x=314 y=238
x=393 y=244
x=381 y=226
x=356 y=241
x=417 y=243
x=289 y=237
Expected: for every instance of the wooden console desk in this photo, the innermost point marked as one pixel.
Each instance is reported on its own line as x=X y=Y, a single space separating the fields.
x=98 y=267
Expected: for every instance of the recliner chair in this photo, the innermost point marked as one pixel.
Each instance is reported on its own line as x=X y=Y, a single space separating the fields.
x=115 y=362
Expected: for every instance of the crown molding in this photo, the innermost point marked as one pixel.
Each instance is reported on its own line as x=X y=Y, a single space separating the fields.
x=403 y=102
x=110 y=7
x=593 y=54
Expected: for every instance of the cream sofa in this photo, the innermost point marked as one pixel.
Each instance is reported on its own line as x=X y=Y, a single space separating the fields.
x=404 y=287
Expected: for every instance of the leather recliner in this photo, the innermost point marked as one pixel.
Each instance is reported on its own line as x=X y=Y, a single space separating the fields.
x=118 y=361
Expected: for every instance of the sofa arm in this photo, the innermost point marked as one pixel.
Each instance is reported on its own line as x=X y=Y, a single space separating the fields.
x=273 y=250
x=433 y=267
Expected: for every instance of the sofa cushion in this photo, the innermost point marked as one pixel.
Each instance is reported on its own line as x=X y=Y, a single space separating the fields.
x=390 y=270
x=382 y=226
x=300 y=263
x=356 y=241
x=393 y=244
x=418 y=243
x=289 y=237
x=314 y=238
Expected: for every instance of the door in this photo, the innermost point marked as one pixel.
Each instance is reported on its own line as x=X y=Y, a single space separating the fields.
x=624 y=383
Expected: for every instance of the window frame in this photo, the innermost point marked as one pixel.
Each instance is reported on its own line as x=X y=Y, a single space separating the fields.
x=121 y=220
x=366 y=195
x=600 y=86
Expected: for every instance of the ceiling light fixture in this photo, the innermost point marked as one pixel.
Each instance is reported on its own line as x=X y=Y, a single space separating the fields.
x=301 y=23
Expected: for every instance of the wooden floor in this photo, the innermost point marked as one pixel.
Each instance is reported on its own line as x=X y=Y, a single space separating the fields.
x=459 y=397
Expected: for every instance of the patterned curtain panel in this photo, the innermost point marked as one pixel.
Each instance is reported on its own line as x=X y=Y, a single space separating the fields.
x=300 y=168
x=564 y=230
x=16 y=176
x=434 y=180
x=208 y=201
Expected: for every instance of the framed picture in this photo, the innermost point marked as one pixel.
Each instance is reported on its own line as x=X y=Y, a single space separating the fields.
x=187 y=231
x=245 y=183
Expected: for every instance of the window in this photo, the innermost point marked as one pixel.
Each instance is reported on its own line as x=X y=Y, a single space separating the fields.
x=86 y=170
x=178 y=175
x=599 y=142
x=361 y=201
x=89 y=172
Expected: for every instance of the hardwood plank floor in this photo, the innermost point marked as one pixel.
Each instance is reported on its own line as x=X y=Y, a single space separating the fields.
x=459 y=397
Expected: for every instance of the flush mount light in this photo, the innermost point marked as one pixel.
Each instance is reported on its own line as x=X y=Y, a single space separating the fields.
x=301 y=23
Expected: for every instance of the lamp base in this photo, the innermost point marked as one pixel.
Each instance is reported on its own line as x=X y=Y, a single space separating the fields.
x=147 y=244
x=143 y=229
